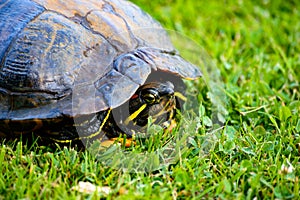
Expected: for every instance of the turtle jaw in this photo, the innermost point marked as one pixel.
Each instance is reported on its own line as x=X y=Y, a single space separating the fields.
x=162 y=109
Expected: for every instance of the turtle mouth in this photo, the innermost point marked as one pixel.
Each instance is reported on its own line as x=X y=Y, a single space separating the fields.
x=163 y=113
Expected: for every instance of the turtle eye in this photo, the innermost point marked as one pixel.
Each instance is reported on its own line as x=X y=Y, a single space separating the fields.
x=150 y=96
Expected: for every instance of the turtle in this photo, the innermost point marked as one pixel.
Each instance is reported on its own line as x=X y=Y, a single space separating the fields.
x=74 y=70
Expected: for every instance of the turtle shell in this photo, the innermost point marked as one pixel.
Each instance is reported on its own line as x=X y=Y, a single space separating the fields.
x=66 y=58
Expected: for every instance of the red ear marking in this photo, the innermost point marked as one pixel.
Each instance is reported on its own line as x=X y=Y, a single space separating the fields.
x=134 y=96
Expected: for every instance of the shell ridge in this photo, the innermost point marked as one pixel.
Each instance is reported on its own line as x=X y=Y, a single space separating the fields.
x=166 y=60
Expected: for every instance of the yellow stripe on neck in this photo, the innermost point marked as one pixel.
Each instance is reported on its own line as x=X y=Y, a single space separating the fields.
x=179 y=95
x=135 y=114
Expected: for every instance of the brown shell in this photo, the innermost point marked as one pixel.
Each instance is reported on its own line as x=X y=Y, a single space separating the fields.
x=72 y=57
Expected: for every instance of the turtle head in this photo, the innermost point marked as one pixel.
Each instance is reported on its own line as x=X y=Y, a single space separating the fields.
x=156 y=100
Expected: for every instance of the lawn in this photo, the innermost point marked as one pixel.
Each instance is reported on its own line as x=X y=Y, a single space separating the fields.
x=242 y=141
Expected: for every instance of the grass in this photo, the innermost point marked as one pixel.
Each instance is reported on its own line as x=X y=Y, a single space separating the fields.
x=254 y=154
